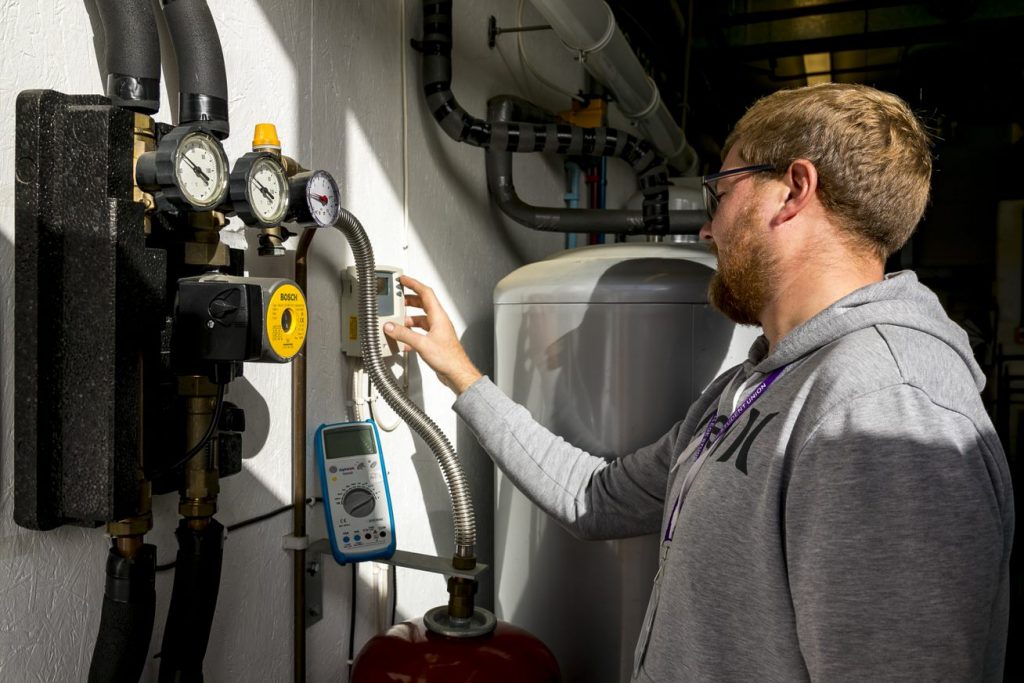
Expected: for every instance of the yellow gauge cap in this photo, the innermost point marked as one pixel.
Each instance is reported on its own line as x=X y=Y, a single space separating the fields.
x=265 y=135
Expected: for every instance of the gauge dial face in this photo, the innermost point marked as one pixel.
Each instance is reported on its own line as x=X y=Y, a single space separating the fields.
x=323 y=198
x=201 y=170
x=266 y=189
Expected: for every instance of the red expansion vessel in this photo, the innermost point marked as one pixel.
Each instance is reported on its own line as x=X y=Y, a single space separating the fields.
x=410 y=652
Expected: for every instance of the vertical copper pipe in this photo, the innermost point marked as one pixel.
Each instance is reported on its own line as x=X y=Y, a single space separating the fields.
x=299 y=474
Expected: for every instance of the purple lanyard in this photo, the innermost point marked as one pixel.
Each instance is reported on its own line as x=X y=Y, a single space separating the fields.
x=705 y=441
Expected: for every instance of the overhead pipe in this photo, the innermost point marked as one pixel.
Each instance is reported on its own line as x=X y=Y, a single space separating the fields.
x=203 y=83
x=132 y=61
x=523 y=137
x=499 y=183
x=588 y=28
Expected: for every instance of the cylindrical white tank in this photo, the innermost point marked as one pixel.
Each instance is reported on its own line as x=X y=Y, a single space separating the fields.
x=607 y=346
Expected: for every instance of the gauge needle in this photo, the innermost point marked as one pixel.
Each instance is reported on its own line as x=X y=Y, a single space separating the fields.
x=322 y=198
x=263 y=191
x=198 y=171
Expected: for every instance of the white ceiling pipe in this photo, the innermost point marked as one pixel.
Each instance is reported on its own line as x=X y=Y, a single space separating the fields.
x=588 y=28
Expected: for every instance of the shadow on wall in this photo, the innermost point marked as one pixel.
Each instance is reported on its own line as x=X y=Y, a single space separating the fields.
x=435 y=236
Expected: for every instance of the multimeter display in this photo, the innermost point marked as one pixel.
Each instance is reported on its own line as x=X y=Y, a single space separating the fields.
x=348 y=443
x=357 y=502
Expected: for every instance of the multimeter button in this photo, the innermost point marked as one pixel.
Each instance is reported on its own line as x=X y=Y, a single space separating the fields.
x=358 y=537
x=345 y=539
x=383 y=534
x=333 y=469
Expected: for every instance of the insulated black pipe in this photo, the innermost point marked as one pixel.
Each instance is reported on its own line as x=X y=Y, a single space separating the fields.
x=203 y=82
x=133 y=54
x=126 y=623
x=499 y=184
x=193 y=602
x=524 y=137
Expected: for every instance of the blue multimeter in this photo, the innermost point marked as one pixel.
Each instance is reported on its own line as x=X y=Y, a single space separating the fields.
x=357 y=501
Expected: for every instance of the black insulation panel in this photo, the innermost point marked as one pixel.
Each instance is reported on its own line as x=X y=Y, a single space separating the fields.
x=89 y=305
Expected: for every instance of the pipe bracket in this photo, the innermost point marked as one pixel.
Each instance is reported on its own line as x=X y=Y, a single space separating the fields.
x=602 y=43
x=649 y=109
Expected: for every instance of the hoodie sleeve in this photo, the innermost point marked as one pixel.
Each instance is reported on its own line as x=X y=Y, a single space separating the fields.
x=590 y=497
x=897 y=529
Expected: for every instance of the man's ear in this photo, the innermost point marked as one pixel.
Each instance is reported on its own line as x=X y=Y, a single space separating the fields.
x=801 y=179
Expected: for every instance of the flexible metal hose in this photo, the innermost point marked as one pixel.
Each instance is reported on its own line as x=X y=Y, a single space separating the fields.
x=451 y=469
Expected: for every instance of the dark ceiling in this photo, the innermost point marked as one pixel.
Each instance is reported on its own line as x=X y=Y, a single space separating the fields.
x=956 y=63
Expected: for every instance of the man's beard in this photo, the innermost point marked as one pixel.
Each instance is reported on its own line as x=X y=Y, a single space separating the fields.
x=742 y=286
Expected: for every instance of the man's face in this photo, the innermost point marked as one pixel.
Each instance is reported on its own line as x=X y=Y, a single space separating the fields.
x=747 y=266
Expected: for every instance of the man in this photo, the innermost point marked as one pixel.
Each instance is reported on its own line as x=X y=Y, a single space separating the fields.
x=863 y=530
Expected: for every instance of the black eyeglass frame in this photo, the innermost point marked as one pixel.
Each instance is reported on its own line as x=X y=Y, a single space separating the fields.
x=711 y=198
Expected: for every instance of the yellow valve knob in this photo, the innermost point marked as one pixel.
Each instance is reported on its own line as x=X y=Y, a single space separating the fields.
x=265 y=136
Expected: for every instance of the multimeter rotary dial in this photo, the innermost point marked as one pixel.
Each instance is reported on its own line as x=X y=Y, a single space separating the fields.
x=315 y=199
x=359 y=501
x=259 y=190
x=189 y=167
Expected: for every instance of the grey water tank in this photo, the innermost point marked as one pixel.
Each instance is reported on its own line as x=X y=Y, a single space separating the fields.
x=606 y=346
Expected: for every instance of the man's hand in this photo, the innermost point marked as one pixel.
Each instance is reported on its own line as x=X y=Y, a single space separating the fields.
x=437 y=345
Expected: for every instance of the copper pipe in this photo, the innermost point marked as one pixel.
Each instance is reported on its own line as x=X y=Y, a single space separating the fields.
x=299 y=475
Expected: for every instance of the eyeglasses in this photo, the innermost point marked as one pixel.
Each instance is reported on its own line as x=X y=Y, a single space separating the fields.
x=709 y=184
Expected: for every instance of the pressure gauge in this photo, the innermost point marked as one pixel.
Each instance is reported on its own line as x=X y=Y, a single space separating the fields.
x=259 y=190
x=189 y=167
x=315 y=199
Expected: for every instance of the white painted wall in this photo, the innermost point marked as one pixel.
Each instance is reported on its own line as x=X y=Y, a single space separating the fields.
x=343 y=86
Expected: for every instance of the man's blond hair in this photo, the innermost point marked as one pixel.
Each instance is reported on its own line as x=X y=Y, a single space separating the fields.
x=872 y=155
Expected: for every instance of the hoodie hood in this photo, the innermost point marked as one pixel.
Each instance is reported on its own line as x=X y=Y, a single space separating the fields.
x=899 y=300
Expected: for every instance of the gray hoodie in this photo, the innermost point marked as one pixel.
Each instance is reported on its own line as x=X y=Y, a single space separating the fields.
x=853 y=524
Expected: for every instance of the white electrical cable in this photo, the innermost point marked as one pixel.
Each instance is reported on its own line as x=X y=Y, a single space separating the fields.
x=371 y=399
x=529 y=66
x=381 y=581
x=358 y=397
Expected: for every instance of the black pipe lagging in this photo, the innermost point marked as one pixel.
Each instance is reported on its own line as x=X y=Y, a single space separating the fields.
x=502 y=189
x=126 y=622
x=526 y=137
x=202 y=78
x=193 y=602
x=132 y=61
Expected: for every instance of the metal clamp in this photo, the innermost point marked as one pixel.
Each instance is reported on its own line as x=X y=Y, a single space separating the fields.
x=402 y=558
x=651 y=106
x=602 y=43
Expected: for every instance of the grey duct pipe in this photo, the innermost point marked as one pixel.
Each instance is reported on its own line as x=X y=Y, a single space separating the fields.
x=369 y=329
x=588 y=28
x=499 y=183
x=203 y=83
x=132 y=60
x=524 y=137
